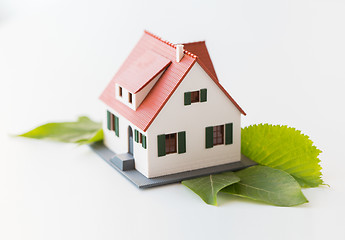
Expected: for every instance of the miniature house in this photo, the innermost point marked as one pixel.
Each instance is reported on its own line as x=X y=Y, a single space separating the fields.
x=167 y=110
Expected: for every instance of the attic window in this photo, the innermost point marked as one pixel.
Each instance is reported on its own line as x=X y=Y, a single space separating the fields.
x=120 y=91
x=194 y=96
x=130 y=97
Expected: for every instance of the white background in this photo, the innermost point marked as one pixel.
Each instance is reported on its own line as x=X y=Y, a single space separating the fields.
x=283 y=61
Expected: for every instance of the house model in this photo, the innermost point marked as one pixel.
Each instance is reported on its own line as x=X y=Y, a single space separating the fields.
x=166 y=112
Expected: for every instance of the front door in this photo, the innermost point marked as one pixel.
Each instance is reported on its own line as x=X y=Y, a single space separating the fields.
x=130 y=140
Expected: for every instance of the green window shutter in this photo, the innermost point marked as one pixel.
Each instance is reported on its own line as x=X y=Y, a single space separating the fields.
x=187 y=98
x=136 y=135
x=161 y=145
x=209 y=137
x=181 y=142
x=228 y=133
x=108 y=120
x=203 y=95
x=143 y=143
x=116 y=126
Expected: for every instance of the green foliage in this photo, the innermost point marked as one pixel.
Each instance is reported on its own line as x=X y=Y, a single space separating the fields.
x=83 y=131
x=269 y=185
x=283 y=148
x=208 y=187
x=289 y=159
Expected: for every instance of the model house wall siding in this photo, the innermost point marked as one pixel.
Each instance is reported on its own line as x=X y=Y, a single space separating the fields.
x=120 y=144
x=193 y=119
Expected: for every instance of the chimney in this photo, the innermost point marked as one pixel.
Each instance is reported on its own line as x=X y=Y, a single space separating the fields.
x=179 y=52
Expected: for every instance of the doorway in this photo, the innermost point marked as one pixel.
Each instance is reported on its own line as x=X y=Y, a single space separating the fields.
x=130 y=140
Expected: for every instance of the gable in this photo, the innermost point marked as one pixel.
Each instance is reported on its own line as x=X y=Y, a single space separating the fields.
x=193 y=120
x=215 y=110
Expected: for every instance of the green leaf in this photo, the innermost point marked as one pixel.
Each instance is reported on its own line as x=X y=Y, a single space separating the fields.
x=83 y=131
x=283 y=148
x=208 y=187
x=269 y=185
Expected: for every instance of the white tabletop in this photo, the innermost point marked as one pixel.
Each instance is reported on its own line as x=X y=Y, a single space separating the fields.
x=283 y=61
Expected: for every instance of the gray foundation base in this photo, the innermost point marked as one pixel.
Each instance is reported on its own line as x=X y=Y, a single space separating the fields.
x=143 y=182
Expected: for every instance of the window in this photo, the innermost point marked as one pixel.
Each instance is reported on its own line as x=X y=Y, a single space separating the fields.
x=110 y=121
x=170 y=143
x=130 y=97
x=219 y=135
x=195 y=96
x=113 y=123
x=120 y=91
x=140 y=138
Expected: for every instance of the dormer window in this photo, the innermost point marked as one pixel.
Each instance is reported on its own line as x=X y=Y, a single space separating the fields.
x=130 y=97
x=120 y=91
x=125 y=96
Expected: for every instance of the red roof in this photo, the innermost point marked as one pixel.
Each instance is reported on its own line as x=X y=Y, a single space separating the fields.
x=135 y=74
x=200 y=49
x=145 y=68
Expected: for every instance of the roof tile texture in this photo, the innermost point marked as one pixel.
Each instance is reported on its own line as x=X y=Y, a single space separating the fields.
x=200 y=49
x=144 y=69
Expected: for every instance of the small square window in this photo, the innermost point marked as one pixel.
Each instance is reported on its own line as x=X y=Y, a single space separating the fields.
x=170 y=143
x=195 y=96
x=120 y=91
x=218 y=135
x=130 y=97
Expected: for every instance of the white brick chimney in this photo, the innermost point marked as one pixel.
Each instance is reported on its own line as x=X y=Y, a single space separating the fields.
x=179 y=52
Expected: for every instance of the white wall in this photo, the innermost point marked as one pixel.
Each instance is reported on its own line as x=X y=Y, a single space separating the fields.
x=120 y=144
x=141 y=95
x=193 y=119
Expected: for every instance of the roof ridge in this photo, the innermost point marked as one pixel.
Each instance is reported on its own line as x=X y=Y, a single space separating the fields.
x=170 y=44
x=195 y=42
